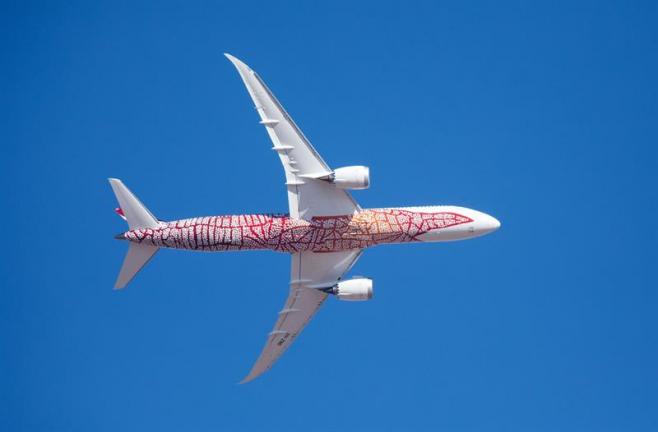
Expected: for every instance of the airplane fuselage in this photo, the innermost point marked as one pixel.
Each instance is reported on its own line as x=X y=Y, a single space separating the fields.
x=321 y=234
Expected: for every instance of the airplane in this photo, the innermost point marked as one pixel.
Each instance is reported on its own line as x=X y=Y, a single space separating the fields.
x=325 y=231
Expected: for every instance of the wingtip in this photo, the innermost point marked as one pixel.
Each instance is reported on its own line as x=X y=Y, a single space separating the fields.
x=232 y=58
x=246 y=379
x=239 y=64
x=119 y=284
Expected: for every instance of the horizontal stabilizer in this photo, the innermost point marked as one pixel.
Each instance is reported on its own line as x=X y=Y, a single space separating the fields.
x=138 y=255
x=138 y=217
x=136 y=214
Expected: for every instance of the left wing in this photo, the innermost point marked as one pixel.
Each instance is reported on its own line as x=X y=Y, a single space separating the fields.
x=309 y=271
x=309 y=194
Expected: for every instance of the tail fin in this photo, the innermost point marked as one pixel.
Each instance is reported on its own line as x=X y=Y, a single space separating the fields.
x=137 y=216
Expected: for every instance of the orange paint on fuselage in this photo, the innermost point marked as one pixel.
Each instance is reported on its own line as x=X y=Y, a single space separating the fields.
x=282 y=233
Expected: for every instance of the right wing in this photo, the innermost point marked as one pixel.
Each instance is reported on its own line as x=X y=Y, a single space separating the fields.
x=309 y=271
x=308 y=194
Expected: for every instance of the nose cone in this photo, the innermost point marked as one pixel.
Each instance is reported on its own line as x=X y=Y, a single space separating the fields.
x=485 y=224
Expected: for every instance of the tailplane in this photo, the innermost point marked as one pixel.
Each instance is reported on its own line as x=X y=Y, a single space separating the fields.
x=136 y=258
x=137 y=216
x=135 y=213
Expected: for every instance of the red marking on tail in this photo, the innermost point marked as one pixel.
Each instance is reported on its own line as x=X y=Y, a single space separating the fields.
x=120 y=213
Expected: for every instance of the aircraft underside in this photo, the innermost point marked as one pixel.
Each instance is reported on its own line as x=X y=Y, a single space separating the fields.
x=325 y=230
x=285 y=234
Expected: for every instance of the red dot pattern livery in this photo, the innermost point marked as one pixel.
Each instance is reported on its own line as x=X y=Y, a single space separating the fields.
x=284 y=234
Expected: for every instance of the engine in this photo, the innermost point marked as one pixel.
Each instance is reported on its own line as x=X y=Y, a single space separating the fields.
x=357 y=289
x=352 y=177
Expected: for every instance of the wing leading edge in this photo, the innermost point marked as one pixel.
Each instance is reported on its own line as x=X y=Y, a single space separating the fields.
x=309 y=271
x=304 y=168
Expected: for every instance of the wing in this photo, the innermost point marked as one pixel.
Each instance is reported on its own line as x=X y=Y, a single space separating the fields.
x=309 y=271
x=308 y=194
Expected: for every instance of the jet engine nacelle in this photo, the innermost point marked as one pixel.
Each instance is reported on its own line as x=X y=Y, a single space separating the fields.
x=352 y=177
x=357 y=289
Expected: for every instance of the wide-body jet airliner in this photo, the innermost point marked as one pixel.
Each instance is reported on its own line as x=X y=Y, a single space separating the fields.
x=324 y=232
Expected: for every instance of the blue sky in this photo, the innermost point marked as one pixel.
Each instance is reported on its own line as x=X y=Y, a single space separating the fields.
x=542 y=114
